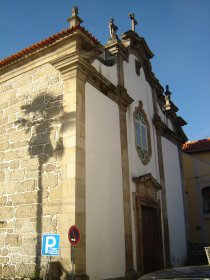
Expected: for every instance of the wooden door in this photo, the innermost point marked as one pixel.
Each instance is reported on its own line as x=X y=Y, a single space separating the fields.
x=150 y=238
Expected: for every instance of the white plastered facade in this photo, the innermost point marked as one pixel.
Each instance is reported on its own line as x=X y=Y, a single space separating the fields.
x=175 y=206
x=104 y=200
x=105 y=248
x=139 y=89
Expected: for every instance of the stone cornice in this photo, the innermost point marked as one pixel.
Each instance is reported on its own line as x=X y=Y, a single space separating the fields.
x=116 y=93
x=147 y=179
x=151 y=79
x=46 y=43
x=71 y=54
x=123 y=99
x=161 y=102
x=177 y=137
x=131 y=39
x=79 y=63
x=58 y=49
x=137 y=45
x=115 y=47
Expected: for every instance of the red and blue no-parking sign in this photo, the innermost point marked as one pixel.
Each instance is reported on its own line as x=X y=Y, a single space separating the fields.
x=74 y=235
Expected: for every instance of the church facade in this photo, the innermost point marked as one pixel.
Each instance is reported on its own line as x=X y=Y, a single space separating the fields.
x=88 y=138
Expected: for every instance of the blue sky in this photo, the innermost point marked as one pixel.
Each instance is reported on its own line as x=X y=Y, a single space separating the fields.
x=177 y=32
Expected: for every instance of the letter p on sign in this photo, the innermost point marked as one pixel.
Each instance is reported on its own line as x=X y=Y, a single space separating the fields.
x=50 y=244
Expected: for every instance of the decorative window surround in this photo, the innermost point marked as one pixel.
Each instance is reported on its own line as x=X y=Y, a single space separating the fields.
x=142 y=134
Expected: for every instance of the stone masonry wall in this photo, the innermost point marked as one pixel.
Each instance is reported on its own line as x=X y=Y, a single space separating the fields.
x=31 y=125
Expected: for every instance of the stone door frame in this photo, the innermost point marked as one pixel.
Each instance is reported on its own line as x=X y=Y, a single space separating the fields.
x=146 y=195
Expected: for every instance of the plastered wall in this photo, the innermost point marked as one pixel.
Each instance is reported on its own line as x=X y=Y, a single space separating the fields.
x=104 y=199
x=175 y=206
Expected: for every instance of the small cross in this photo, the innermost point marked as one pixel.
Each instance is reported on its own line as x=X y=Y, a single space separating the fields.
x=133 y=21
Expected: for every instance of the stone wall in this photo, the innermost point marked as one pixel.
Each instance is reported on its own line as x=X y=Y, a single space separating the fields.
x=31 y=125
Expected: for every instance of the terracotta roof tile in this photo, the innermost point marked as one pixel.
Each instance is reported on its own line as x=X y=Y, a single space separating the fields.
x=196 y=146
x=48 y=41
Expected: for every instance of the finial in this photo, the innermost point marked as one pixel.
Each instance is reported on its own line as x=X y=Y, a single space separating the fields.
x=167 y=92
x=74 y=20
x=167 y=105
x=74 y=11
x=133 y=21
x=112 y=29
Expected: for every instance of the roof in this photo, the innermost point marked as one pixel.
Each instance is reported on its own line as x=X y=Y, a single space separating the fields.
x=46 y=42
x=196 y=146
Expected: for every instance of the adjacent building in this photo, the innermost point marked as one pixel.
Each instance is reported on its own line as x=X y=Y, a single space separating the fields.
x=196 y=160
x=89 y=138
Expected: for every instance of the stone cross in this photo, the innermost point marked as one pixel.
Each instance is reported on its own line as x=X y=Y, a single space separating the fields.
x=133 y=21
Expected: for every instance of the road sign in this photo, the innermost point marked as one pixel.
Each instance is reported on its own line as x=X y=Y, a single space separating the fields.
x=74 y=235
x=50 y=244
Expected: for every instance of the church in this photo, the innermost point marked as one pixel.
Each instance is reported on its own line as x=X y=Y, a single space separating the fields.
x=89 y=137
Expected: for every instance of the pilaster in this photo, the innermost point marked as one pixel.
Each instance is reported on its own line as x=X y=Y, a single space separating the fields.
x=126 y=192
x=184 y=198
x=115 y=47
x=165 y=229
x=73 y=168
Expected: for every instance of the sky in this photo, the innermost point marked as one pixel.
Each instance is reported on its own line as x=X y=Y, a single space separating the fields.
x=177 y=32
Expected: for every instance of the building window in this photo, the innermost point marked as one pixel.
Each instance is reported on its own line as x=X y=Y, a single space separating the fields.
x=142 y=134
x=206 y=199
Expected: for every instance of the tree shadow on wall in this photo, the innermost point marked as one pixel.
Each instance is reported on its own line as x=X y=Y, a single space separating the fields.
x=45 y=119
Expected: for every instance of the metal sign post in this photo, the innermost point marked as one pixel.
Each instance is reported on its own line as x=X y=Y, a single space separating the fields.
x=49 y=268
x=74 y=239
x=72 y=263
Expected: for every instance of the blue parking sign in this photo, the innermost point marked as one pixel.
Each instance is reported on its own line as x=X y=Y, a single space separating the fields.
x=50 y=244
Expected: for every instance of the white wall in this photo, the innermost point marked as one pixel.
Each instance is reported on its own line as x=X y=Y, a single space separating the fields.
x=175 y=206
x=104 y=178
x=139 y=89
x=109 y=72
x=164 y=119
x=104 y=199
